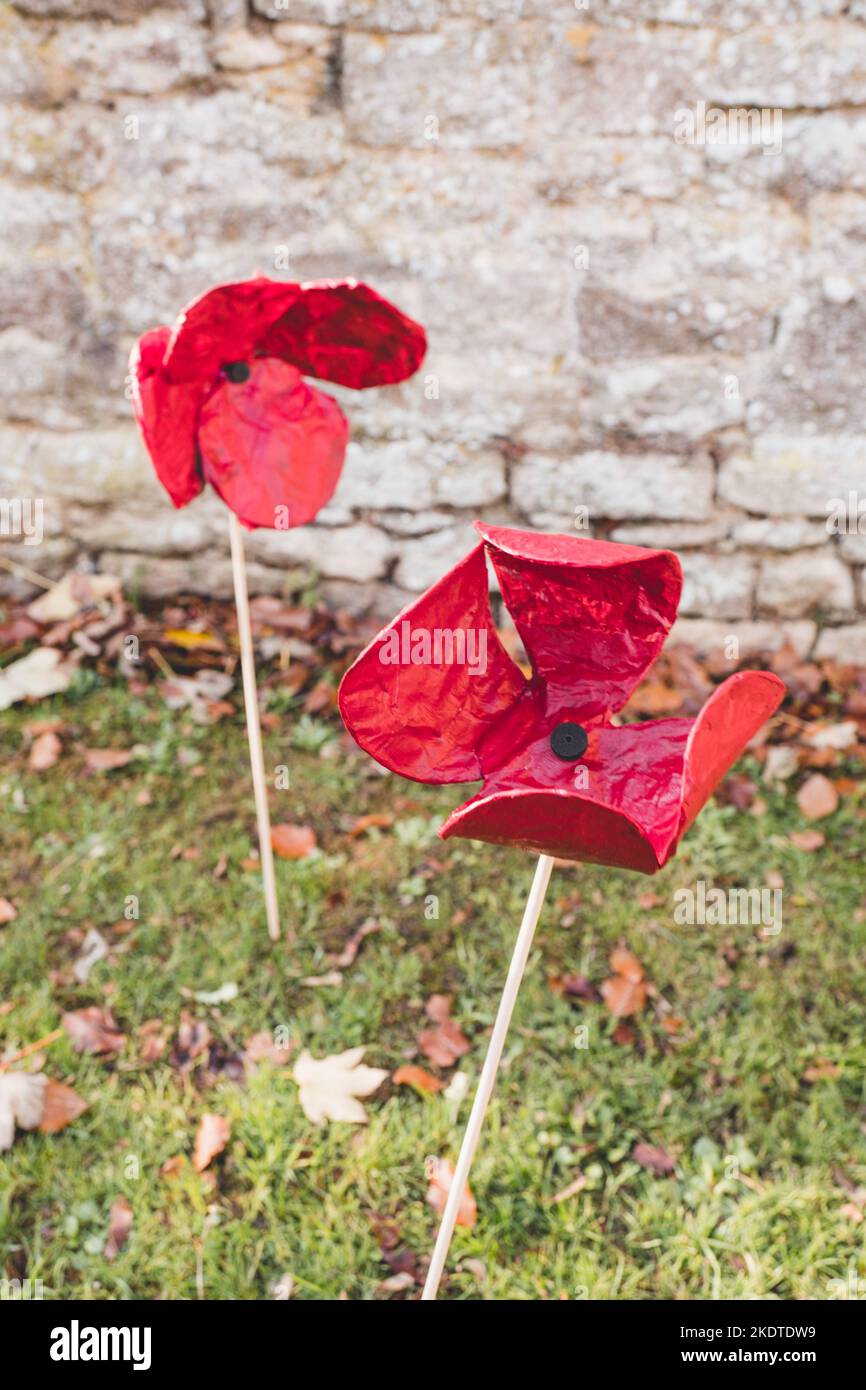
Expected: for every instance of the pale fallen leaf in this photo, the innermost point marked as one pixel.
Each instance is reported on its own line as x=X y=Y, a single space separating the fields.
x=21 y=1102
x=211 y=1138
x=224 y=995
x=328 y=1086
x=8 y=912
x=571 y=1190
x=781 y=762
x=203 y=693
x=94 y=948
x=42 y=672
x=105 y=759
x=398 y=1283
x=807 y=840
x=837 y=736
x=282 y=1289
x=119 y=1227
x=440 y=1171
x=329 y=980
x=656 y=1160
x=263 y=1047
x=817 y=797
x=44 y=752
x=72 y=595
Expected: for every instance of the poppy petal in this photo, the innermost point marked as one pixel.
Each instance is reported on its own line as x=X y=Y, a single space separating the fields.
x=225 y=324
x=558 y=823
x=425 y=717
x=343 y=331
x=730 y=718
x=167 y=417
x=272 y=445
x=593 y=615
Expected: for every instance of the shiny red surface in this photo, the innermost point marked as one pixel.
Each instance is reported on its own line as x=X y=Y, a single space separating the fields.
x=273 y=443
x=593 y=617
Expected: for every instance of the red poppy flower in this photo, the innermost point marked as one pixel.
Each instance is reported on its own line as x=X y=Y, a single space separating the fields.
x=220 y=398
x=437 y=698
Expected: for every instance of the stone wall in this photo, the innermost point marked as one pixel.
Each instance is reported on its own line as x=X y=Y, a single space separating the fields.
x=669 y=334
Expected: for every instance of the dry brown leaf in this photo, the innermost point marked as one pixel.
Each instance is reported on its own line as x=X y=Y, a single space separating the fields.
x=105 y=759
x=624 y=963
x=419 y=1078
x=119 y=1227
x=817 y=797
x=444 y=1043
x=656 y=1160
x=379 y=821
x=60 y=1106
x=624 y=997
x=93 y=1030
x=353 y=945
x=440 y=1172
x=822 y=1070
x=44 y=752
x=263 y=1048
x=211 y=1138
x=292 y=841
x=807 y=840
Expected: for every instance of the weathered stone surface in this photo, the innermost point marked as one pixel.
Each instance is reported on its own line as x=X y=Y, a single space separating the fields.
x=720 y=586
x=616 y=486
x=668 y=333
x=846 y=644
x=804 y=583
x=753 y=639
x=789 y=475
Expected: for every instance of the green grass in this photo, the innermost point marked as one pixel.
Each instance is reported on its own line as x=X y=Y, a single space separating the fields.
x=752 y=1209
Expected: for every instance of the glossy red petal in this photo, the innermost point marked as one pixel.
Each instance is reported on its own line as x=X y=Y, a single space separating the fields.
x=731 y=717
x=593 y=615
x=272 y=446
x=422 y=717
x=562 y=824
x=345 y=332
x=226 y=324
x=167 y=417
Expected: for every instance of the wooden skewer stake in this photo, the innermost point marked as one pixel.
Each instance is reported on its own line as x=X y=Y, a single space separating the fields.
x=254 y=731
x=522 y=947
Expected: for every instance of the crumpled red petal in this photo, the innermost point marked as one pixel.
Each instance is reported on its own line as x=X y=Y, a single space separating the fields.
x=338 y=330
x=593 y=615
x=424 y=720
x=272 y=446
x=637 y=787
x=167 y=417
x=343 y=331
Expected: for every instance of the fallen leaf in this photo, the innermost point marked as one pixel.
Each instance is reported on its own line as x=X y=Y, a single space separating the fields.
x=444 y=1043
x=328 y=980
x=119 y=1227
x=282 y=1289
x=781 y=762
x=622 y=996
x=42 y=672
x=71 y=595
x=192 y=1042
x=44 y=752
x=823 y=1070
x=105 y=759
x=94 y=948
x=93 y=1030
x=398 y=1283
x=262 y=1047
x=571 y=1191
x=807 y=840
x=292 y=841
x=21 y=1103
x=193 y=641
x=224 y=995
x=419 y=1078
x=328 y=1086
x=379 y=821
x=8 y=912
x=656 y=1160
x=60 y=1106
x=211 y=1138
x=817 y=797
x=836 y=736
x=173 y=1167
x=440 y=1172
x=625 y=964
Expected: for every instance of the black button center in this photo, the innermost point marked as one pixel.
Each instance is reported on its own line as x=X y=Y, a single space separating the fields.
x=569 y=741
x=236 y=371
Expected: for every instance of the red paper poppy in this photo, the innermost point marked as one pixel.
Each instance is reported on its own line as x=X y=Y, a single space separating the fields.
x=437 y=698
x=220 y=398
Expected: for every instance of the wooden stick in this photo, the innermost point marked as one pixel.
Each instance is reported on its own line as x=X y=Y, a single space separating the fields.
x=254 y=731
x=31 y=1048
x=522 y=947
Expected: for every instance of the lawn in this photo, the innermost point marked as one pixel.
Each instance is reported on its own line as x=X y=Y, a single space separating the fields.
x=745 y=1069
